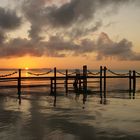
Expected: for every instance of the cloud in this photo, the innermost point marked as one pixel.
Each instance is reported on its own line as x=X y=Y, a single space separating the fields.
x=70 y=15
x=9 y=19
x=122 y=50
x=66 y=25
x=57 y=46
x=2 y=37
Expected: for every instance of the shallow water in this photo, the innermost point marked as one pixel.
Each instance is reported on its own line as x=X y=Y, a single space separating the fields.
x=37 y=119
x=116 y=118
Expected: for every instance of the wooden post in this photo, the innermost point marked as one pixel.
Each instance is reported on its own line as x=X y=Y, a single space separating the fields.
x=84 y=83
x=19 y=83
x=55 y=86
x=51 y=87
x=80 y=86
x=101 y=69
x=130 y=83
x=66 y=82
x=134 y=83
x=105 y=82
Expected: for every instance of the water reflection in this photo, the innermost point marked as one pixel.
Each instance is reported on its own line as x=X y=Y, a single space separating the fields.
x=36 y=118
x=103 y=101
x=77 y=116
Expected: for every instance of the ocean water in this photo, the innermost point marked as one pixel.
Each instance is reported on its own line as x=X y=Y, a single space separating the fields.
x=115 y=118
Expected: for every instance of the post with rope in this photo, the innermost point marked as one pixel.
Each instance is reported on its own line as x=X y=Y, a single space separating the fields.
x=84 y=83
x=134 y=83
x=105 y=82
x=66 y=82
x=19 y=83
x=55 y=86
x=130 y=83
x=101 y=69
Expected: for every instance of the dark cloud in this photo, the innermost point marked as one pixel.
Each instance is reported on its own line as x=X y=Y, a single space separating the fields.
x=9 y=19
x=122 y=50
x=20 y=47
x=72 y=15
x=69 y=13
x=80 y=31
x=59 y=47
x=69 y=23
x=2 y=37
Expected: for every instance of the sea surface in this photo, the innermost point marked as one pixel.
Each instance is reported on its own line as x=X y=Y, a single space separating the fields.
x=36 y=118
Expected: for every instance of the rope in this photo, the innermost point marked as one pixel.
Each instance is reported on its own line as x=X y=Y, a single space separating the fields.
x=71 y=73
x=137 y=73
x=6 y=75
x=117 y=73
x=61 y=72
x=89 y=72
x=39 y=74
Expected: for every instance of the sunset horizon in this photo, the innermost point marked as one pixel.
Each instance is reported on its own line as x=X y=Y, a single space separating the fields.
x=69 y=70
x=69 y=34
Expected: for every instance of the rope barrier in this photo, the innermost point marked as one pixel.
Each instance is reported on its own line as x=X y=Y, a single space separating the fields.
x=117 y=73
x=39 y=74
x=137 y=73
x=89 y=72
x=6 y=75
x=61 y=72
x=71 y=73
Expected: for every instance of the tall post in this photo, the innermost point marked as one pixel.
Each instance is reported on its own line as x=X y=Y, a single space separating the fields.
x=134 y=83
x=19 y=83
x=55 y=86
x=51 y=87
x=66 y=82
x=101 y=69
x=80 y=86
x=105 y=82
x=130 y=83
x=84 y=83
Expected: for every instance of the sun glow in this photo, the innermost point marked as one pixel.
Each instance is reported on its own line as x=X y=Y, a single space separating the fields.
x=26 y=68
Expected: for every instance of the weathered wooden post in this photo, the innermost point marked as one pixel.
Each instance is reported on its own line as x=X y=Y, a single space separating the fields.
x=51 y=86
x=130 y=83
x=105 y=82
x=55 y=86
x=80 y=86
x=134 y=83
x=101 y=69
x=84 y=83
x=66 y=82
x=19 y=83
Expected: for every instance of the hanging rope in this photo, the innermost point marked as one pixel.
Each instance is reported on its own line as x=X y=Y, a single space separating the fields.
x=137 y=73
x=124 y=74
x=89 y=72
x=39 y=74
x=6 y=75
x=61 y=72
x=71 y=73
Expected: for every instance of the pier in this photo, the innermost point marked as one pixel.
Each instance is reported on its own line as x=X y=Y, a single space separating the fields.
x=79 y=78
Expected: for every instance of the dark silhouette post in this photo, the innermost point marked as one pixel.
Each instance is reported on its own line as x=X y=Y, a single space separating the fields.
x=66 y=82
x=84 y=83
x=80 y=86
x=19 y=83
x=105 y=82
x=55 y=86
x=101 y=69
x=134 y=83
x=130 y=83
x=51 y=86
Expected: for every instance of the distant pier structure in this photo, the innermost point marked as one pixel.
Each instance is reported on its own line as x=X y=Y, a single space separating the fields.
x=80 y=78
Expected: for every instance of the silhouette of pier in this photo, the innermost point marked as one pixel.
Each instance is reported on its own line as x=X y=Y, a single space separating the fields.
x=79 y=77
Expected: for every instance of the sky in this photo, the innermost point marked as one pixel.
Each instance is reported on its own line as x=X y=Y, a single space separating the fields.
x=70 y=33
